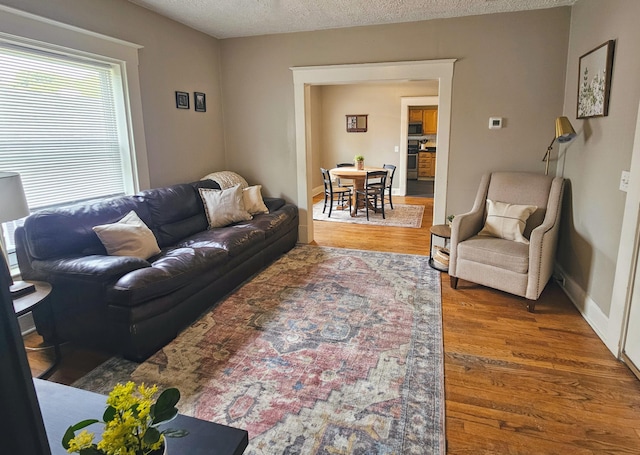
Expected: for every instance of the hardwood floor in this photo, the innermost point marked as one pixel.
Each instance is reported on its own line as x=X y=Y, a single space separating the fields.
x=515 y=382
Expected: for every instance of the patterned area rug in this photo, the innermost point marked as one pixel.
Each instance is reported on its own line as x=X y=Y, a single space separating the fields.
x=327 y=351
x=402 y=215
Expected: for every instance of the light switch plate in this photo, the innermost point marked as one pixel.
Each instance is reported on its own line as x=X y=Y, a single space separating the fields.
x=495 y=123
x=624 y=181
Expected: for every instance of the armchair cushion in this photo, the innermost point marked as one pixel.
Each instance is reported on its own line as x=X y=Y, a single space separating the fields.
x=507 y=221
x=501 y=253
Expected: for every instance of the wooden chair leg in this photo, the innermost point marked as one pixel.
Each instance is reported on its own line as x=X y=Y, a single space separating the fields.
x=454 y=282
x=531 y=306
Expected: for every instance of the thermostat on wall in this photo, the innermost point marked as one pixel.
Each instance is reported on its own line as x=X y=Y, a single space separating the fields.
x=495 y=123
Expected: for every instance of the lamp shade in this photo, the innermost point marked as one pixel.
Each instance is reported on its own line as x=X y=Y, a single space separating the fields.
x=564 y=130
x=13 y=203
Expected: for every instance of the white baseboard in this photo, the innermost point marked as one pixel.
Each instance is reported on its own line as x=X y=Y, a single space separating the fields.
x=590 y=311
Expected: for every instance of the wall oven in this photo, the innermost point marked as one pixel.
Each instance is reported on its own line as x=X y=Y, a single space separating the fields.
x=413 y=147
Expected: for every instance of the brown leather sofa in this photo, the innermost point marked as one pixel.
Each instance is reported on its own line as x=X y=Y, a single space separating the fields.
x=133 y=306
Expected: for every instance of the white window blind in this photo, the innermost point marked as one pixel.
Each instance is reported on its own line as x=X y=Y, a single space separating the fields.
x=59 y=126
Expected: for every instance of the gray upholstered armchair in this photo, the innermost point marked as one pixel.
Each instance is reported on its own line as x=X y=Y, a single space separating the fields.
x=520 y=266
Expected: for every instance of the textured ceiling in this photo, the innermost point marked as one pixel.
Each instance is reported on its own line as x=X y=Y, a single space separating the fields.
x=235 y=18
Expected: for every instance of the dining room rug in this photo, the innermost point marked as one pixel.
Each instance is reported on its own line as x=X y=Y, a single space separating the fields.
x=402 y=215
x=326 y=351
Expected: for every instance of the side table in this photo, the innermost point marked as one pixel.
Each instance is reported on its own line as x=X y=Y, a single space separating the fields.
x=442 y=231
x=28 y=302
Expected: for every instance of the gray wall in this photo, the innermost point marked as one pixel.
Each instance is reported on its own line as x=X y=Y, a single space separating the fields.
x=594 y=161
x=182 y=145
x=510 y=65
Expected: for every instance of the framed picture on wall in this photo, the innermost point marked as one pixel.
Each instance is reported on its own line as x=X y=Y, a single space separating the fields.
x=200 y=102
x=182 y=100
x=357 y=123
x=594 y=81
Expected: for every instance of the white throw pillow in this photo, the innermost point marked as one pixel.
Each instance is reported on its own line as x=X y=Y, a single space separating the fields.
x=224 y=207
x=128 y=237
x=507 y=221
x=253 y=201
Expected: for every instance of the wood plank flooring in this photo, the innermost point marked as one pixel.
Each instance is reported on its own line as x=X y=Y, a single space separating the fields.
x=515 y=382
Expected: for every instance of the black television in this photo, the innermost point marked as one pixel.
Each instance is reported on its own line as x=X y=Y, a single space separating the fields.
x=22 y=430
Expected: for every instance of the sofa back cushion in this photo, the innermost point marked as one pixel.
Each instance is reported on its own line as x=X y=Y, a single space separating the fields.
x=67 y=231
x=176 y=211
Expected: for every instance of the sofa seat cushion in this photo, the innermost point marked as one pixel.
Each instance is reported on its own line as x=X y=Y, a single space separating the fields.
x=504 y=254
x=234 y=239
x=172 y=269
x=272 y=223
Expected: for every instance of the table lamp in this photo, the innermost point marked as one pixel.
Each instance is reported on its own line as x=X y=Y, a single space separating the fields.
x=13 y=206
x=564 y=133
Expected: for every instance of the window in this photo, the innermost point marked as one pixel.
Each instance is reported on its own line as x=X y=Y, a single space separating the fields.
x=62 y=128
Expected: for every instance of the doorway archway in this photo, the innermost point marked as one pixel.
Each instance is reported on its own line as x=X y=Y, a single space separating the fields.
x=305 y=77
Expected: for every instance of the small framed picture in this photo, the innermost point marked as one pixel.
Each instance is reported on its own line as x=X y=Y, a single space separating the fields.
x=357 y=123
x=182 y=100
x=201 y=102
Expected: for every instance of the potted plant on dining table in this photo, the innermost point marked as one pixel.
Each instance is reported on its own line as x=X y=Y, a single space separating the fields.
x=359 y=160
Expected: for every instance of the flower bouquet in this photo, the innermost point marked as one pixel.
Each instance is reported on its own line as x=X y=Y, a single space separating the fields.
x=130 y=423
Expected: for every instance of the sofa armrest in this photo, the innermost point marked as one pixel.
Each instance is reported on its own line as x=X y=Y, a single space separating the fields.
x=273 y=203
x=92 y=268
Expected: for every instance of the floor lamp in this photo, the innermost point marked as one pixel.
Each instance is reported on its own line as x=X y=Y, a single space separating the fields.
x=13 y=206
x=564 y=133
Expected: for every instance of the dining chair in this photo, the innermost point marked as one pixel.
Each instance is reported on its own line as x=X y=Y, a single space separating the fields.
x=386 y=193
x=333 y=194
x=348 y=183
x=374 y=185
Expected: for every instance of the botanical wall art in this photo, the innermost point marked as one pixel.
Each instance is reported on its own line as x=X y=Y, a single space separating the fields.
x=594 y=81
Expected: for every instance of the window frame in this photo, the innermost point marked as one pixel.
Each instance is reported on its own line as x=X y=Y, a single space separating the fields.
x=28 y=30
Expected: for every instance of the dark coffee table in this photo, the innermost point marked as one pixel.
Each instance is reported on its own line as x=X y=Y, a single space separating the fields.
x=63 y=406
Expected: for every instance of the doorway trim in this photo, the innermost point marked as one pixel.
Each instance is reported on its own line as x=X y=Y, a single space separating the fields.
x=628 y=251
x=306 y=76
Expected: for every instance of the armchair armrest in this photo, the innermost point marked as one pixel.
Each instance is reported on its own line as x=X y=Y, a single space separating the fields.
x=91 y=268
x=468 y=224
x=543 y=242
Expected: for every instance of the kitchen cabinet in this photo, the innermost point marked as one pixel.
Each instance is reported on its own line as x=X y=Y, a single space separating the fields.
x=426 y=165
x=415 y=115
x=430 y=120
x=428 y=117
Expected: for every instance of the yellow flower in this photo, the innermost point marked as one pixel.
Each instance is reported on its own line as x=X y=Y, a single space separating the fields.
x=82 y=441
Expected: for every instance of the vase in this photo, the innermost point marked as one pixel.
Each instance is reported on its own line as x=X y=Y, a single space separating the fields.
x=360 y=165
x=162 y=450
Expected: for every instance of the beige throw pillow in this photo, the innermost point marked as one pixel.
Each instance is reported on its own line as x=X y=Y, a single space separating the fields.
x=507 y=221
x=253 y=201
x=224 y=207
x=128 y=237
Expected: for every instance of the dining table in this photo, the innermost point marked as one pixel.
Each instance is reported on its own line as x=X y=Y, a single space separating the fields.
x=358 y=176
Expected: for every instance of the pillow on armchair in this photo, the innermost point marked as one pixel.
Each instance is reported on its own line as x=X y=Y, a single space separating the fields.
x=507 y=221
